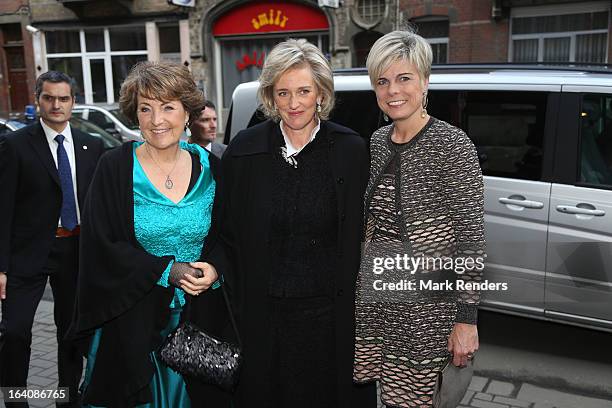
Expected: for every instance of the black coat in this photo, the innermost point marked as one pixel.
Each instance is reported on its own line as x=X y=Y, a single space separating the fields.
x=118 y=288
x=244 y=256
x=32 y=195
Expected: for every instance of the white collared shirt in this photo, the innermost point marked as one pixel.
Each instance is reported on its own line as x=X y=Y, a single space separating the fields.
x=69 y=147
x=291 y=150
x=208 y=147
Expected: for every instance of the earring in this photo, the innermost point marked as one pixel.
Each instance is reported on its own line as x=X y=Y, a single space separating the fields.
x=385 y=117
x=319 y=107
x=424 y=105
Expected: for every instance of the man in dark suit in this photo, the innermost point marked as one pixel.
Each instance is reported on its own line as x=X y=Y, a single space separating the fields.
x=204 y=130
x=45 y=170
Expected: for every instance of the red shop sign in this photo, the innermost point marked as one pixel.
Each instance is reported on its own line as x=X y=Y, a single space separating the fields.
x=256 y=17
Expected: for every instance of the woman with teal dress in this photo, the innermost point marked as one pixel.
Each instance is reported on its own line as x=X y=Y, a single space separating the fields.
x=146 y=223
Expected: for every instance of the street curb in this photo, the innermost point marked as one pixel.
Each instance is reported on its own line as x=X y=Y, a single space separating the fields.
x=555 y=383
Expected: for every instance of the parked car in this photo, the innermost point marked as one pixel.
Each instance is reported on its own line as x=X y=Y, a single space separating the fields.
x=109 y=140
x=9 y=125
x=88 y=127
x=110 y=119
x=544 y=140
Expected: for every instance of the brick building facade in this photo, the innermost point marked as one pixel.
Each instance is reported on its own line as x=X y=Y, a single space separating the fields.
x=17 y=77
x=223 y=42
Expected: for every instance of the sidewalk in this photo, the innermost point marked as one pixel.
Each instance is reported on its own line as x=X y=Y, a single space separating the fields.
x=484 y=392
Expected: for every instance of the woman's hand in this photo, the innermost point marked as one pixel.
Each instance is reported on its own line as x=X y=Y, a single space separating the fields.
x=194 y=286
x=463 y=343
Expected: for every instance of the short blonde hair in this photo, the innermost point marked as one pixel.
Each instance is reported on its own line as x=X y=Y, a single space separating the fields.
x=396 y=46
x=293 y=54
x=162 y=81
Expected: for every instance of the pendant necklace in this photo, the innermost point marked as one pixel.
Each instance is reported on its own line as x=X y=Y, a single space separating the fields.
x=169 y=183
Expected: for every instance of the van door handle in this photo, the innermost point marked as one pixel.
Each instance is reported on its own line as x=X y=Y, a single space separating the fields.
x=522 y=203
x=569 y=209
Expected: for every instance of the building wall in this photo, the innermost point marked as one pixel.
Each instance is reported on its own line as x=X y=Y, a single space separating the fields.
x=475 y=35
x=342 y=22
x=109 y=64
x=470 y=21
x=52 y=10
x=15 y=12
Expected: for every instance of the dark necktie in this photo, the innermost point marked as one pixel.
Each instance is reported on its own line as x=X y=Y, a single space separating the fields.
x=68 y=213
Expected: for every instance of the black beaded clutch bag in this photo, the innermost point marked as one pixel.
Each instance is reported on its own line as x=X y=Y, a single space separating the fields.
x=194 y=353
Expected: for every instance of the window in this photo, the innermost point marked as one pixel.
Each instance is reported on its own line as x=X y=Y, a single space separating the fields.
x=576 y=36
x=128 y=38
x=359 y=111
x=73 y=67
x=121 y=68
x=59 y=42
x=11 y=33
x=98 y=58
x=371 y=11
x=362 y=43
x=596 y=140
x=506 y=127
x=94 y=40
x=435 y=30
x=169 y=43
x=169 y=39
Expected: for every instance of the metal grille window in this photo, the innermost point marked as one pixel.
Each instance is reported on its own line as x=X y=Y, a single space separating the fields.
x=570 y=37
x=371 y=11
x=435 y=31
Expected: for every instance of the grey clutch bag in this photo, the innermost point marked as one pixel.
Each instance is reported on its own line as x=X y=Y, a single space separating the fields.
x=451 y=384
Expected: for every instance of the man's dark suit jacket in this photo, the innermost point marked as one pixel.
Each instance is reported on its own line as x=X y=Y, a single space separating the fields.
x=31 y=195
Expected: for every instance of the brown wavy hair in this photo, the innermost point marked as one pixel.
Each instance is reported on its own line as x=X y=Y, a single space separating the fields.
x=162 y=81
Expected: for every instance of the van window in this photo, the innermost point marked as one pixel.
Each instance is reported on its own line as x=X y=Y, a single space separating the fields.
x=506 y=127
x=596 y=140
x=359 y=111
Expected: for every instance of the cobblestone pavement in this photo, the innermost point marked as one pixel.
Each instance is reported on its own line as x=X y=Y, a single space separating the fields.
x=483 y=392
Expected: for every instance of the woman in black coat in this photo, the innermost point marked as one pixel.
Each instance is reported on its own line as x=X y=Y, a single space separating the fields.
x=292 y=193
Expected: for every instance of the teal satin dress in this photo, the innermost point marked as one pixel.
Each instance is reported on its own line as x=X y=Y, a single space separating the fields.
x=165 y=228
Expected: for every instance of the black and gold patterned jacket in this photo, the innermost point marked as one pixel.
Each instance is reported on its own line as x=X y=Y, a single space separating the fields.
x=441 y=200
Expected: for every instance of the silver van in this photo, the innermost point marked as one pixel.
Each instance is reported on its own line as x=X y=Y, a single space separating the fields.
x=544 y=140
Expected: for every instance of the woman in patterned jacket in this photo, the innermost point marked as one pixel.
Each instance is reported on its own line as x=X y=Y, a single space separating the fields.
x=424 y=203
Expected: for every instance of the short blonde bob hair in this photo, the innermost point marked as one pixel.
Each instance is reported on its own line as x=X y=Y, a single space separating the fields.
x=396 y=46
x=162 y=81
x=294 y=54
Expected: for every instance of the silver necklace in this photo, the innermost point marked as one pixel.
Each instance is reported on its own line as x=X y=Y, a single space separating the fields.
x=169 y=183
